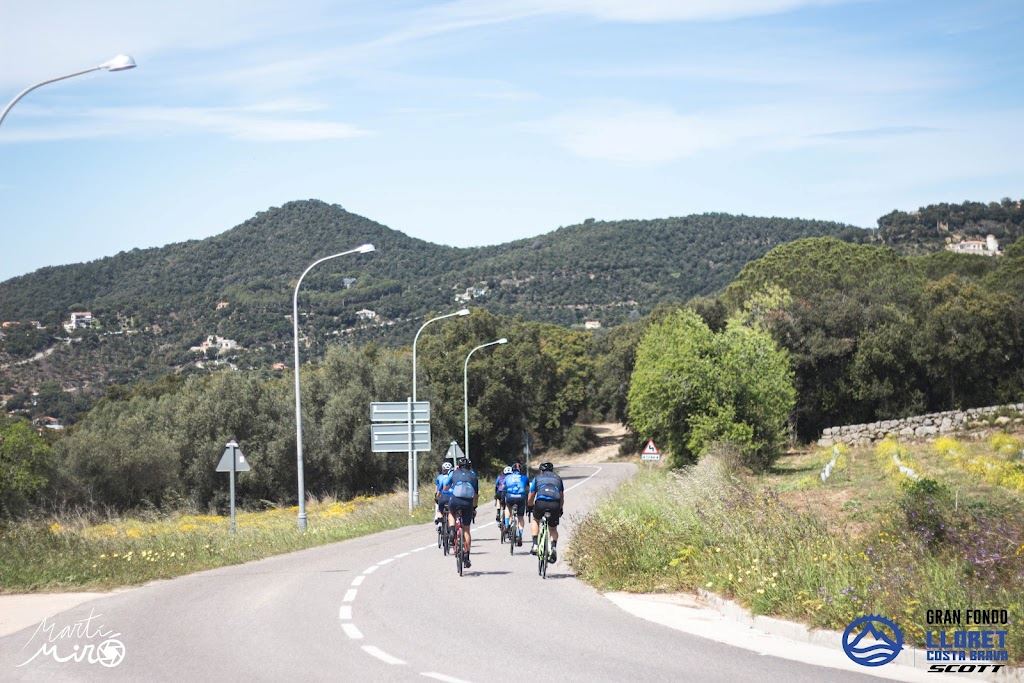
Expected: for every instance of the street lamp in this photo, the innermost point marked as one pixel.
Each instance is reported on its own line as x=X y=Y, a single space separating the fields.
x=415 y=478
x=118 y=63
x=362 y=249
x=465 y=388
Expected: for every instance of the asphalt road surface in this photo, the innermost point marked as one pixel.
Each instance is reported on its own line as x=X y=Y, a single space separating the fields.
x=386 y=607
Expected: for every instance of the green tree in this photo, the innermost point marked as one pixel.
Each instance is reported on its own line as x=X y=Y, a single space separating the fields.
x=691 y=387
x=24 y=465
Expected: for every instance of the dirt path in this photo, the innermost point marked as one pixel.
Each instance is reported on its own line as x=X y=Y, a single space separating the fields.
x=610 y=435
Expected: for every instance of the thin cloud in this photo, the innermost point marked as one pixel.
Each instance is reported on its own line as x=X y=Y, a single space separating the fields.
x=257 y=123
x=877 y=132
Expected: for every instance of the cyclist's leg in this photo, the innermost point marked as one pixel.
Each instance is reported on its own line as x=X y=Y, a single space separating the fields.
x=556 y=515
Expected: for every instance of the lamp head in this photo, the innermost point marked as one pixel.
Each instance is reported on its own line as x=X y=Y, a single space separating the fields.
x=503 y=340
x=462 y=311
x=118 y=63
x=365 y=248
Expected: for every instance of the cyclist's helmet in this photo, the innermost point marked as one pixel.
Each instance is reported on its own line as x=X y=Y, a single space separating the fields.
x=546 y=467
x=516 y=467
x=463 y=462
x=507 y=470
x=446 y=466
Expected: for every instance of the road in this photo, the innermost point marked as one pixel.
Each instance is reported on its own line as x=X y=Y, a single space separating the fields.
x=390 y=607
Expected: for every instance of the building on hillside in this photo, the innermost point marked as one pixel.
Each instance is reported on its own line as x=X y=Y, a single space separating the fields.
x=591 y=324
x=79 y=320
x=987 y=247
x=278 y=366
x=48 y=422
x=221 y=305
x=366 y=314
x=220 y=344
x=348 y=282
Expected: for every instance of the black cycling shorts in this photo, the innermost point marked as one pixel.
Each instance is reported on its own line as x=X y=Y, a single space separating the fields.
x=552 y=506
x=518 y=503
x=442 y=503
x=461 y=508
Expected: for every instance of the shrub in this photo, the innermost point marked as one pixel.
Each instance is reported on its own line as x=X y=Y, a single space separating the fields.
x=692 y=387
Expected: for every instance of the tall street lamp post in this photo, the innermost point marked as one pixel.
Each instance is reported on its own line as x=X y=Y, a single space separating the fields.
x=465 y=389
x=414 y=465
x=362 y=249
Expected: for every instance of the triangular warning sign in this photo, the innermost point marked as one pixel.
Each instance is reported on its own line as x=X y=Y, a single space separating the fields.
x=650 y=448
x=241 y=464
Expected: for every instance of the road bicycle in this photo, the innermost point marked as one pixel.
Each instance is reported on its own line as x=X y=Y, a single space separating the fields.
x=443 y=533
x=544 y=547
x=459 y=544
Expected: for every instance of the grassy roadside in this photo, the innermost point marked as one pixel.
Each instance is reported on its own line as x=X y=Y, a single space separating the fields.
x=872 y=541
x=48 y=555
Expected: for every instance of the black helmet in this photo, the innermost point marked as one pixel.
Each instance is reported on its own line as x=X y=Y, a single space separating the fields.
x=463 y=462
x=546 y=467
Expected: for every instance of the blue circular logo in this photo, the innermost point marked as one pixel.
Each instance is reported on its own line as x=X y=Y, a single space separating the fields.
x=872 y=640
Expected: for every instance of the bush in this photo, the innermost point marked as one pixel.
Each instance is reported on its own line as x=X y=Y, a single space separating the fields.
x=578 y=439
x=692 y=387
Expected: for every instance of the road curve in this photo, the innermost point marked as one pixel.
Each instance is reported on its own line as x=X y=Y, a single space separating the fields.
x=390 y=607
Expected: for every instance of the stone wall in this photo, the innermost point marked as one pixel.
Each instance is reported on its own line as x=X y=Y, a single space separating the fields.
x=921 y=426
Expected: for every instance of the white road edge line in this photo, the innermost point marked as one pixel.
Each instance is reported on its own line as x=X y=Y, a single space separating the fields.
x=345 y=612
x=384 y=562
x=358 y=580
x=350 y=595
x=400 y=556
x=381 y=655
x=351 y=631
x=580 y=483
x=370 y=570
x=442 y=677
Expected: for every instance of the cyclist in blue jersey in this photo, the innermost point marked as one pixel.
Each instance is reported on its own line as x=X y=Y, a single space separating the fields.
x=547 y=494
x=517 y=487
x=499 y=493
x=442 y=490
x=465 y=488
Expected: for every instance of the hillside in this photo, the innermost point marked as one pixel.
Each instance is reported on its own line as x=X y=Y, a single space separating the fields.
x=152 y=305
x=931 y=227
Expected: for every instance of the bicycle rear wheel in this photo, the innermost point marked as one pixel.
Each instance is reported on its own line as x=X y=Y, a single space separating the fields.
x=458 y=549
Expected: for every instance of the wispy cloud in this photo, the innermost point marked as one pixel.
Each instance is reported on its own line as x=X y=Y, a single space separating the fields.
x=261 y=122
x=877 y=132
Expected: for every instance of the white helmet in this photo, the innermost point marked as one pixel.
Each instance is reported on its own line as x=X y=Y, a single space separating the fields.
x=446 y=467
x=507 y=470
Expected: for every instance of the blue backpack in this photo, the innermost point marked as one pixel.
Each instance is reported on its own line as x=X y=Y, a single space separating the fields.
x=463 y=484
x=514 y=487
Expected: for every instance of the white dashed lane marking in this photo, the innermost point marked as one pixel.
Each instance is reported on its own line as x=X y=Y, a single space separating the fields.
x=442 y=677
x=370 y=570
x=352 y=631
x=358 y=580
x=381 y=655
x=350 y=595
x=345 y=612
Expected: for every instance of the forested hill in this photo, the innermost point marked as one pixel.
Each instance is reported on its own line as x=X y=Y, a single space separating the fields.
x=153 y=304
x=931 y=227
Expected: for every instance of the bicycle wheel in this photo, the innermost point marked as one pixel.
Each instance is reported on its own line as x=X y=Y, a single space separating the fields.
x=512 y=539
x=542 y=556
x=446 y=535
x=458 y=548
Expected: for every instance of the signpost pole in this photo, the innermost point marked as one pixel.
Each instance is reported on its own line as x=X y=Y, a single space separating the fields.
x=412 y=457
x=234 y=464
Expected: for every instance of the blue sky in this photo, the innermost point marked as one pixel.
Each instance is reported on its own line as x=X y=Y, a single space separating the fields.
x=470 y=123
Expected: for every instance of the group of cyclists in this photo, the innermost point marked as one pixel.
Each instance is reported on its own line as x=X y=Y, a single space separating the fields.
x=457 y=494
